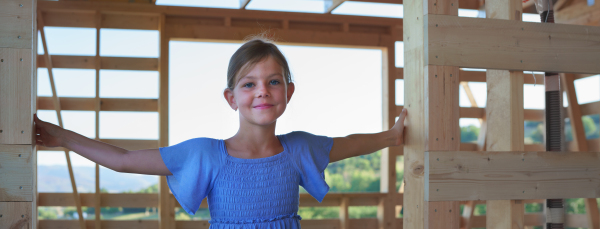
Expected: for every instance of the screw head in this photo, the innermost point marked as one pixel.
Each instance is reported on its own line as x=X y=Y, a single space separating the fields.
x=435 y=76
x=435 y=4
x=435 y=56
x=452 y=139
x=452 y=4
x=1 y=60
x=450 y=75
x=20 y=5
x=21 y=59
x=437 y=190
x=435 y=210
x=22 y=216
x=19 y=155
x=436 y=139
x=436 y=25
x=22 y=131
x=20 y=187
x=19 y=37
x=0 y=131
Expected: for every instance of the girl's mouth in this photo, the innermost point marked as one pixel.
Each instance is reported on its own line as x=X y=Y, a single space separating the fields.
x=263 y=106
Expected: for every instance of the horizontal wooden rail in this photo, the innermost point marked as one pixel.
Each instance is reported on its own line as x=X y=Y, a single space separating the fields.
x=478 y=112
x=89 y=62
x=473 y=175
x=143 y=200
x=571 y=220
x=512 y=45
x=106 y=104
x=203 y=224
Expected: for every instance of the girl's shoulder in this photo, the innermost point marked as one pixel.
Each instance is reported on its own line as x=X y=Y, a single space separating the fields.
x=301 y=138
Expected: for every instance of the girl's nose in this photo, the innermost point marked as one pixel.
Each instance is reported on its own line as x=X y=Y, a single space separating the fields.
x=262 y=91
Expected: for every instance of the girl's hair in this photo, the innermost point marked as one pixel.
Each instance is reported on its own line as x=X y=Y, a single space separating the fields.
x=252 y=52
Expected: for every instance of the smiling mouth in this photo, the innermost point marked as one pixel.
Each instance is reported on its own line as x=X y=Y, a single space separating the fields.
x=263 y=106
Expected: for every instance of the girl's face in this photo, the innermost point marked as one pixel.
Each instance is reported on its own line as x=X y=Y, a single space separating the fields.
x=262 y=94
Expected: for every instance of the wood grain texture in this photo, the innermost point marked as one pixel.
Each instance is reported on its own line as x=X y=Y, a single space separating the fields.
x=17 y=215
x=497 y=175
x=106 y=104
x=88 y=62
x=17 y=24
x=512 y=45
x=17 y=171
x=17 y=93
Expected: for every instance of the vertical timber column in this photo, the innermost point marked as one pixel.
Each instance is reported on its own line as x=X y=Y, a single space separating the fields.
x=431 y=94
x=18 y=158
x=166 y=206
x=504 y=113
x=387 y=206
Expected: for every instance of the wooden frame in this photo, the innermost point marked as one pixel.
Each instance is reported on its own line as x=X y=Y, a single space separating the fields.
x=182 y=23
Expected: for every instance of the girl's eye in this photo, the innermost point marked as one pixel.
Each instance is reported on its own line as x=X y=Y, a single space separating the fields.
x=248 y=84
x=274 y=82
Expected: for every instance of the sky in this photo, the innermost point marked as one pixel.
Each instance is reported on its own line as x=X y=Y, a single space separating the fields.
x=334 y=98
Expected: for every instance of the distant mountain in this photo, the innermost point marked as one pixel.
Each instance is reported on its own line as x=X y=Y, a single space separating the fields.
x=55 y=178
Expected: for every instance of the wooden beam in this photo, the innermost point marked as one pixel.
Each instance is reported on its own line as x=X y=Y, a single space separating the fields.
x=590 y=108
x=244 y=3
x=579 y=13
x=498 y=44
x=16 y=173
x=98 y=104
x=89 y=62
x=106 y=104
x=574 y=113
x=128 y=9
x=470 y=175
x=331 y=5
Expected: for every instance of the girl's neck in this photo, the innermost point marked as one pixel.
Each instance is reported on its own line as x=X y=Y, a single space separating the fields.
x=254 y=142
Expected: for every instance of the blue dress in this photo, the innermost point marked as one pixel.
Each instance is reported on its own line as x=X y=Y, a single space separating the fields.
x=248 y=193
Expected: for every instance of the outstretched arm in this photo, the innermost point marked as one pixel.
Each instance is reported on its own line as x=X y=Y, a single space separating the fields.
x=146 y=161
x=360 y=144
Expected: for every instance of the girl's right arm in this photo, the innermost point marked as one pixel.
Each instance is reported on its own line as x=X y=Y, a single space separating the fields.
x=148 y=161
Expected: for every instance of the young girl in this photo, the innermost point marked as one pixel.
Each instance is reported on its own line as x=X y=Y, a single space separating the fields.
x=252 y=178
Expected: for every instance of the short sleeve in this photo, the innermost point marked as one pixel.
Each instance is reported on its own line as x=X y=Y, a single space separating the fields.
x=194 y=164
x=312 y=157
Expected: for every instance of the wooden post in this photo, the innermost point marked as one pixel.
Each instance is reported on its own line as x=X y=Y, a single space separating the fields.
x=386 y=207
x=574 y=110
x=97 y=200
x=504 y=114
x=166 y=206
x=431 y=97
x=18 y=88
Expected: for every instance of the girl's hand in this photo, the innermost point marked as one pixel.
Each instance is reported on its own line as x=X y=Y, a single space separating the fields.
x=47 y=134
x=398 y=128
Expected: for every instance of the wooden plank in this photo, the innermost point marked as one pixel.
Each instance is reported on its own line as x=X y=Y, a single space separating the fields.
x=82 y=19
x=574 y=112
x=534 y=219
x=126 y=200
x=590 y=108
x=70 y=6
x=475 y=42
x=579 y=13
x=125 y=21
x=88 y=62
x=106 y=104
x=112 y=224
x=17 y=173
x=469 y=175
x=17 y=24
x=17 y=93
x=593 y=216
x=331 y=5
x=344 y=222
x=335 y=38
x=17 y=215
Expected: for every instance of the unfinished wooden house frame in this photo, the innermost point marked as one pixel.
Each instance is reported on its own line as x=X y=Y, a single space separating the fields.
x=437 y=43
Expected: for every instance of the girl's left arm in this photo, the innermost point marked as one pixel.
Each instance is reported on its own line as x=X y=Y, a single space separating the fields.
x=360 y=144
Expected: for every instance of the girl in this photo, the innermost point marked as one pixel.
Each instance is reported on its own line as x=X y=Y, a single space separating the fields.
x=252 y=178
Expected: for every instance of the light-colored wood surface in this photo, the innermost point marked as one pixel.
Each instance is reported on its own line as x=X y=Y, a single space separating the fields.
x=498 y=175
x=106 y=104
x=16 y=96
x=89 y=62
x=579 y=13
x=17 y=24
x=17 y=173
x=344 y=223
x=568 y=85
x=17 y=215
x=513 y=45
x=97 y=103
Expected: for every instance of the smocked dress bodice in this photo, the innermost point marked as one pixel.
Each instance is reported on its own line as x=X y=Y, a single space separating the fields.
x=255 y=191
x=248 y=193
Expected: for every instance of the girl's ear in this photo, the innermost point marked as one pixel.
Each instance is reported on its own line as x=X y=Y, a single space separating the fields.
x=228 y=94
x=290 y=91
